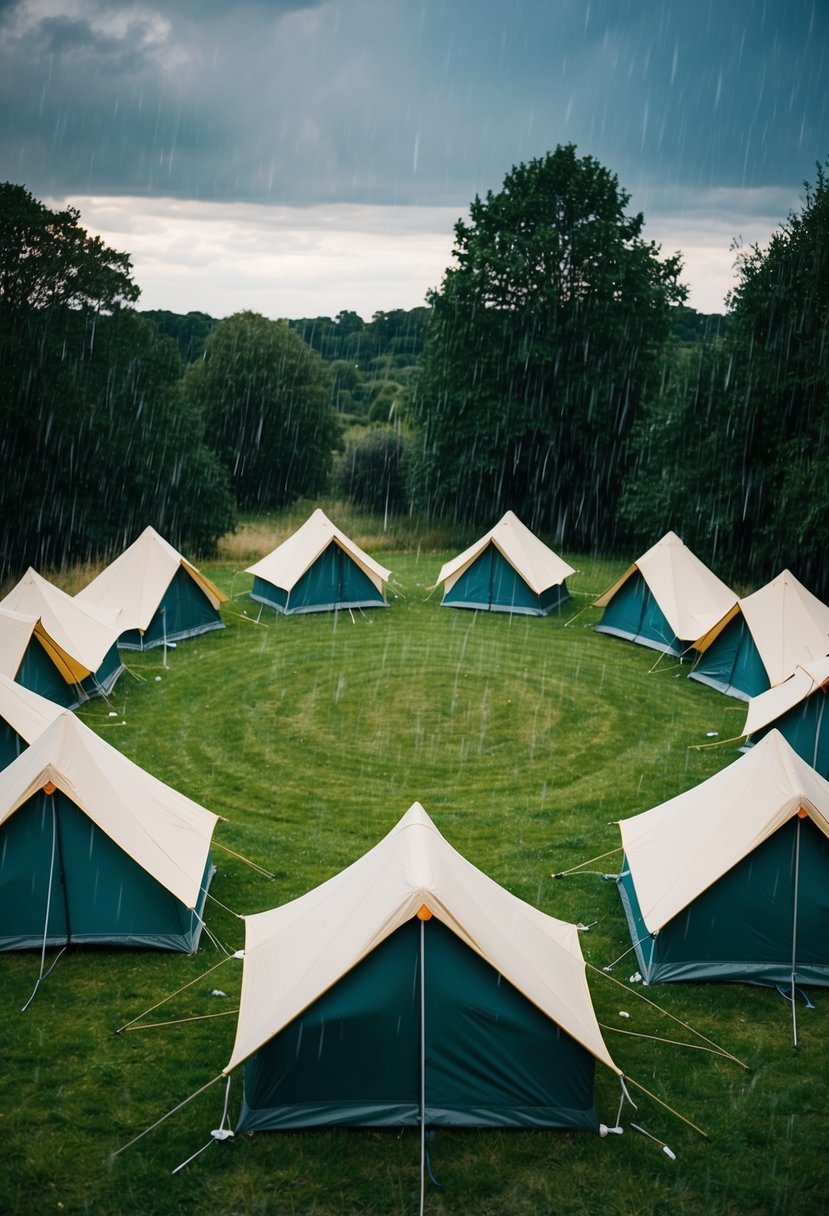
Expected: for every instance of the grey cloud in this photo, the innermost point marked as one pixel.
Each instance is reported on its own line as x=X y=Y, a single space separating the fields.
x=359 y=101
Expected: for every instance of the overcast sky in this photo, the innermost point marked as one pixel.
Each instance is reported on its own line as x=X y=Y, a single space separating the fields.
x=300 y=158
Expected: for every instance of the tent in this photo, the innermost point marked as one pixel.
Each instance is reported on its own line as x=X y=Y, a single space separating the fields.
x=71 y=651
x=508 y=570
x=730 y=880
x=159 y=596
x=760 y=641
x=665 y=600
x=318 y=569
x=797 y=709
x=411 y=989
x=93 y=849
x=23 y=716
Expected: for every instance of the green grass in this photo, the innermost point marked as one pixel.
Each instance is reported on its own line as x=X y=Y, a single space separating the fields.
x=524 y=739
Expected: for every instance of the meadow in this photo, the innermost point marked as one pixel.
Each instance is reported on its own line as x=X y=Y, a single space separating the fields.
x=525 y=739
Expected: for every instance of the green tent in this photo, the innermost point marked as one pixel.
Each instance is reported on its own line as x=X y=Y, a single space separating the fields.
x=95 y=850
x=507 y=570
x=55 y=645
x=763 y=639
x=157 y=594
x=797 y=709
x=730 y=880
x=665 y=600
x=318 y=569
x=491 y=1058
x=412 y=990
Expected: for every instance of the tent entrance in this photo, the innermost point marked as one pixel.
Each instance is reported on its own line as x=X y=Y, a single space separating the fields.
x=422 y=1032
x=742 y=928
x=634 y=614
x=732 y=663
x=52 y=856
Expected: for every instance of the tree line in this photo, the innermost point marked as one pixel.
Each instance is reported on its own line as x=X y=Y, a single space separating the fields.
x=555 y=371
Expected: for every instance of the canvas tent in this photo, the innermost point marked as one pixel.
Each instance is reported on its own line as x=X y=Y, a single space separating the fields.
x=71 y=651
x=507 y=570
x=158 y=595
x=797 y=709
x=318 y=569
x=24 y=715
x=93 y=849
x=760 y=641
x=411 y=989
x=730 y=880
x=665 y=600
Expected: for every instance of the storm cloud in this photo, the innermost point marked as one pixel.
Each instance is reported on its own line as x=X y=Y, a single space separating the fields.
x=400 y=103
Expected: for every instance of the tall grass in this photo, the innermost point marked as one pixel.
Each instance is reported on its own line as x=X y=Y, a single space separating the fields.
x=525 y=739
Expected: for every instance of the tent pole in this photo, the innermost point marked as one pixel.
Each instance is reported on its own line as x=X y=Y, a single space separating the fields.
x=48 y=908
x=817 y=733
x=422 y=1069
x=794 y=931
x=164 y=619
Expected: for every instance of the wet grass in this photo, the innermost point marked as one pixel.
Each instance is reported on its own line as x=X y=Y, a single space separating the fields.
x=525 y=739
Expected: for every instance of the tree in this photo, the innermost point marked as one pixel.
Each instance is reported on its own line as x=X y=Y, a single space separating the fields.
x=779 y=387
x=372 y=471
x=264 y=396
x=96 y=442
x=733 y=451
x=542 y=339
x=48 y=260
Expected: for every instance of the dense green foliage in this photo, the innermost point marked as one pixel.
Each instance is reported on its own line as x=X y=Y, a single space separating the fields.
x=524 y=739
x=189 y=331
x=263 y=394
x=96 y=442
x=398 y=333
x=372 y=472
x=735 y=448
x=541 y=343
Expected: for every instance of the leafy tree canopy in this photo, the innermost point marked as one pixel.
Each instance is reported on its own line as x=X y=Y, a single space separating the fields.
x=543 y=336
x=96 y=440
x=48 y=259
x=733 y=450
x=264 y=395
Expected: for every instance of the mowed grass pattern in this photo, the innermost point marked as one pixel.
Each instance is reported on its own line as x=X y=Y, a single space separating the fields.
x=525 y=739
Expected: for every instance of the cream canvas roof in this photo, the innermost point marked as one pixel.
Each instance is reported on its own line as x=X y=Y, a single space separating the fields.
x=134 y=584
x=296 y=952
x=166 y=833
x=787 y=623
x=27 y=713
x=287 y=563
x=16 y=631
x=81 y=633
x=690 y=596
x=774 y=702
x=537 y=564
x=677 y=850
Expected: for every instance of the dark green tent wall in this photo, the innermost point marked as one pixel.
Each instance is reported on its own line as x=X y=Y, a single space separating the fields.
x=742 y=928
x=634 y=614
x=806 y=728
x=11 y=744
x=62 y=877
x=333 y=581
x=184 y=612
x=38 y=673
x=491 y=583
x=491 y=1059
x=732 y=663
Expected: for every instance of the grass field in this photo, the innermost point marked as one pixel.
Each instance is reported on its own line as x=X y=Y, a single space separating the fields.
x=524 y=739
